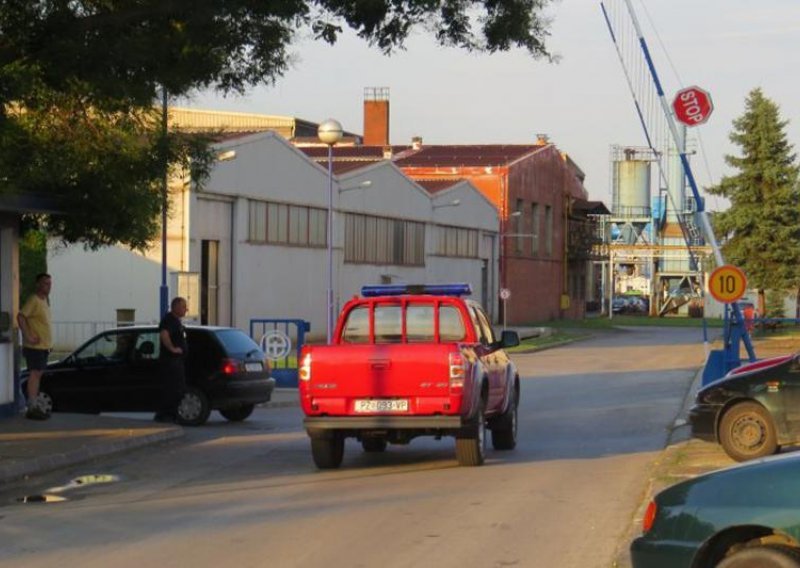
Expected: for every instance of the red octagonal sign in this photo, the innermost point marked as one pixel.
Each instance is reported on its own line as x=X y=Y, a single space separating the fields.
x=692 y=106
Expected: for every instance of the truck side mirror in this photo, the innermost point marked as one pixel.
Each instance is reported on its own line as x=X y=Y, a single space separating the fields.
x=509 y=338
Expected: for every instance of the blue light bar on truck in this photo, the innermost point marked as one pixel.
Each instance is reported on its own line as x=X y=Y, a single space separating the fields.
x=461 y=289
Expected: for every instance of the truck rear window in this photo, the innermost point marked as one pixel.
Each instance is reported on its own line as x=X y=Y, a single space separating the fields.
x=420 y=325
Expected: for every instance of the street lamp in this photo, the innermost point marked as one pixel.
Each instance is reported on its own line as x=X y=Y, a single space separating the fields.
x=330 y=132
x=453 y=203
x=363 y=185
x=164 y=290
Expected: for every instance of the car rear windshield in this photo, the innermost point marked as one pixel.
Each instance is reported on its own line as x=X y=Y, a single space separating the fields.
x=236 y=342
x=420 y=324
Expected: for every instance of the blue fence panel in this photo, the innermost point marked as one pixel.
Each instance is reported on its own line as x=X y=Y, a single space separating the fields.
x=281 y=340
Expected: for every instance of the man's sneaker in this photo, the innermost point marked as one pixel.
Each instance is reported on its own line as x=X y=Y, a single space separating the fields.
x=36 y=413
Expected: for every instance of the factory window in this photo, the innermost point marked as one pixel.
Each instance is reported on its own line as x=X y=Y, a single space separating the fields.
x=535 y=229
x=380 y=240
x=279 y=223
x=456 y=241
x=548 y=230
x=519 y=218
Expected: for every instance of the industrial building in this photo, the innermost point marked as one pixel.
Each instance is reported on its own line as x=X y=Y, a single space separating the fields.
x=251 y=243
x=656 y=249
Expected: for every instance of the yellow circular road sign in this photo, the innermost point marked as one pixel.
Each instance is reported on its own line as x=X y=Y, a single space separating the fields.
x=727 y=284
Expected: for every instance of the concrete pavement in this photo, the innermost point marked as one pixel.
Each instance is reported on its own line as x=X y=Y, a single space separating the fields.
x=31 y=447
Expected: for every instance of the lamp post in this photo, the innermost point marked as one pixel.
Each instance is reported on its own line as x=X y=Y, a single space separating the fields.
x=330 y=132
x=164 y=290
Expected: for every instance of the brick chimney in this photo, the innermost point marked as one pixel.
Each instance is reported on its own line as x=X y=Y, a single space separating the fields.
x=376 y=116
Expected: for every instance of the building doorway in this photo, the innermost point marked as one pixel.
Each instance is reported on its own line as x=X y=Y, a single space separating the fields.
x=209 y=283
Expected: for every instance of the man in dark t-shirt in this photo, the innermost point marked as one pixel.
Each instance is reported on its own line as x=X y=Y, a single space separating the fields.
x=171 y=361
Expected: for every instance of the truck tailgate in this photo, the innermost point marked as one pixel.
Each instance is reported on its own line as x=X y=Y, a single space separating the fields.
x=344 y=377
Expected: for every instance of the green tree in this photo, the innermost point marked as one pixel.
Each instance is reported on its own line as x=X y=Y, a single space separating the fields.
x=760 y=231
x=775 y=307
x=78 y=79
x=32 y=261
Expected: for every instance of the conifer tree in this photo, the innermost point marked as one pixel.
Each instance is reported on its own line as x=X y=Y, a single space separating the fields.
x=760 y=231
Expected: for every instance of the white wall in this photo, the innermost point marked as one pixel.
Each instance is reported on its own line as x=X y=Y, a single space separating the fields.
x=271 y=281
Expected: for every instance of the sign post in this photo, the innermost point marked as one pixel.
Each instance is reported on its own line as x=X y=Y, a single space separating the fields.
x=727 y=284
x=505 y=294
x=692 y=106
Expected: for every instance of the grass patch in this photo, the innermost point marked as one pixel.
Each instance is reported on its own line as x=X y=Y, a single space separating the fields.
x=557 y=337
x=626 y=320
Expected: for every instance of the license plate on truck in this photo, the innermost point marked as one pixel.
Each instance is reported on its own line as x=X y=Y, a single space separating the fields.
x=384 y=405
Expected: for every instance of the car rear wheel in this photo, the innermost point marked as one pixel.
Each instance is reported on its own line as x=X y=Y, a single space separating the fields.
x=504 y=428
x=45 y=402
x=374 y=445
x=746 y=432
x=771 y=556
x=237 y=413
x=194 y=408
x=328 y=452
x=471 y=447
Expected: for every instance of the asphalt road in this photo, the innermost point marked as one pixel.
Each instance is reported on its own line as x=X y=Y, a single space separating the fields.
x=594 y=415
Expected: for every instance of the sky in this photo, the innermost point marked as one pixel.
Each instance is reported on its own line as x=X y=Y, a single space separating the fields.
x=583 y=103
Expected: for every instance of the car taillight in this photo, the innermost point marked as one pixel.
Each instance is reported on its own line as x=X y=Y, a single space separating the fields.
x=649 y=517
x=458 y=371
x=230 y=366
x=305 y=368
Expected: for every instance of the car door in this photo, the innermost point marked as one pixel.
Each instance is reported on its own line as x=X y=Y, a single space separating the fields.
x=789 y=393
x=88 y=385
x=136 y=381
x=496 y=362
x=485 y=354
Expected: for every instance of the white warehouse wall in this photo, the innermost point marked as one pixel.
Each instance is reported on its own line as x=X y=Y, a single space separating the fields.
x=265 y=280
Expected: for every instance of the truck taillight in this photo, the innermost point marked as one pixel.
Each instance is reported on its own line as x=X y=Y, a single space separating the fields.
x=458 y=371
x=305 y=368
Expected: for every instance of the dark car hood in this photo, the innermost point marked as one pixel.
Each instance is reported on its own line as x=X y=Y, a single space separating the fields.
x=741 y=378
x=773 y=480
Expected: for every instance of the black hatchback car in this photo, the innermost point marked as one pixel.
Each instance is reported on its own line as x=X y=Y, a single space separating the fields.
x=753 y=410
x=117 y=371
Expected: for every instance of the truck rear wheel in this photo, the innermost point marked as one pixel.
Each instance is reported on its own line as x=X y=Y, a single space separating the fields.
x=328 y=452
x=504 y=429
x=471 y=448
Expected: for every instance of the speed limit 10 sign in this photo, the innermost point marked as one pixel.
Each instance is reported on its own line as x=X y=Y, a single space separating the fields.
x=727 y=284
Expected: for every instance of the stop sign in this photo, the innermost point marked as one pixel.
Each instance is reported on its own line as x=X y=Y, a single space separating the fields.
x=692 y=106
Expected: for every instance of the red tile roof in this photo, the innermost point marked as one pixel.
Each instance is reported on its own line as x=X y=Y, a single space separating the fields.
x=467 y=155
x=432 y=156
x=344 y=167
x=437 y=185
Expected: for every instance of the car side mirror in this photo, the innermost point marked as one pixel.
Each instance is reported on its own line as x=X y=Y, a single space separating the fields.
x=147 y=348
x=509 y=338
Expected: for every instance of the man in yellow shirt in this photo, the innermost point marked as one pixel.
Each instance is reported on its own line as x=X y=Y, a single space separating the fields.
x=37 y=341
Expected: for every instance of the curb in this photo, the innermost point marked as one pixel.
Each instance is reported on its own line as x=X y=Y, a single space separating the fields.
x=43 y=464
x=550 y=345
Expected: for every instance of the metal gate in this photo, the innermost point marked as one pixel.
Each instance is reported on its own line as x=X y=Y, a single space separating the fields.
x=281 y=340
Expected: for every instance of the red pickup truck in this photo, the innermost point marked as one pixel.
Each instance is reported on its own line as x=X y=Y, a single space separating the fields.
x=408 y=361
